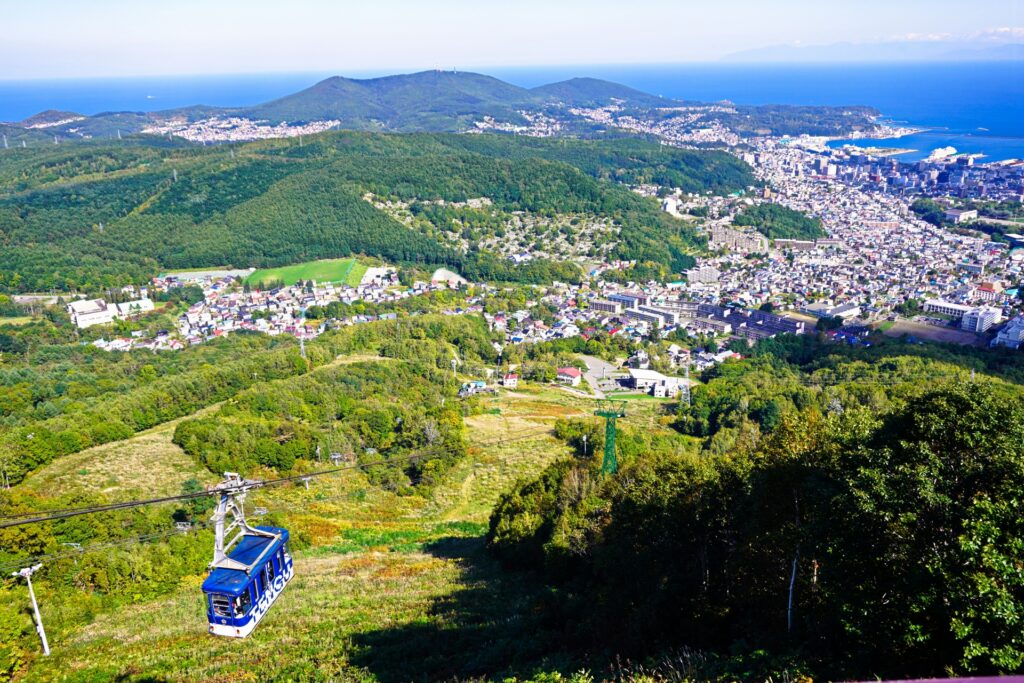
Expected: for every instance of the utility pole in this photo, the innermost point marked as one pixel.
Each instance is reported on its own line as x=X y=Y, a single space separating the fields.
x=26 y=573
x=610 y=411
x=686 y=386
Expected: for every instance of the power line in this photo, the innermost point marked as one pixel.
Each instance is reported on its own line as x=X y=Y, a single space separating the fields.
x=144 y=538
x=49 y=557
x=21 y=519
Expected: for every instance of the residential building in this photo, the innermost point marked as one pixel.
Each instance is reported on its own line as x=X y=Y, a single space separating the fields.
x=606 y=306
x=570 y=376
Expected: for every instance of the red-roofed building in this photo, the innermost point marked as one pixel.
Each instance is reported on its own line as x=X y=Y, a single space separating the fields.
x=510 y=380
x=988 y=291
x=570 y=376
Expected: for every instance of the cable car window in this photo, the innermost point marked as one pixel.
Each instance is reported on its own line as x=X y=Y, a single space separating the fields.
x=287 y=555
x=242 y=603
x=221 y=605
x=268 y=574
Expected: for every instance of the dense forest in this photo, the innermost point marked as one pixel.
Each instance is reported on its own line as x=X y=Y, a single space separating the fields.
x=91 y=217
x=778 y=222
x=842 y=515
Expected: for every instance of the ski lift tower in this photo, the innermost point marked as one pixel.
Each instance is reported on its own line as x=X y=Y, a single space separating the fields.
x=610 y=411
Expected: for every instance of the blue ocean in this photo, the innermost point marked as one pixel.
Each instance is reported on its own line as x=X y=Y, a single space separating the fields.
x=974 y=107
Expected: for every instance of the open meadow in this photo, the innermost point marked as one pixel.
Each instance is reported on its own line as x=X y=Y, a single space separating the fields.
x=346 y=270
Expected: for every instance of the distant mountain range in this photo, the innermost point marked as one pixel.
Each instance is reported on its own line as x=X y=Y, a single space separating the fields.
x=434 y=101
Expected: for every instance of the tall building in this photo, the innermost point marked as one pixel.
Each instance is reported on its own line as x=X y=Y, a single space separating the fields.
x=980 y=319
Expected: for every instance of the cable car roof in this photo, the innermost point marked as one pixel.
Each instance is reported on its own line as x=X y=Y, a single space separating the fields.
x=248 y=550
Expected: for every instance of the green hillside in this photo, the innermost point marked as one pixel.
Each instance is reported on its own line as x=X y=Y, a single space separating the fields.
x=430 y=100
x=89 y=216
x=778 y=222
x=348 y=271
x=590 y=92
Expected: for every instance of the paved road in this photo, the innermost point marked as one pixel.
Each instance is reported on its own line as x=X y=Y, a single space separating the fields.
x=598 y=375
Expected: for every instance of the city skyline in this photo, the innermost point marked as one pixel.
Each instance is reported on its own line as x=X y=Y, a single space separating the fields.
x=117 y=38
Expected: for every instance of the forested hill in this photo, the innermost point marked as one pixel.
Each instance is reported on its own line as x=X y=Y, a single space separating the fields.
x=843 y=514
x=88 y=217
x=431 y=100
x=448 y=101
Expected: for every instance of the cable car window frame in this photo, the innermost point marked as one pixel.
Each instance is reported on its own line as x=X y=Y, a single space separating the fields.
x=222 y=607
x=245 y=598
x=268 y=574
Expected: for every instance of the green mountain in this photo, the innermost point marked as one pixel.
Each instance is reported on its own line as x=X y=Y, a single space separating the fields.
x=429 y=100
x=583 y=92
x=436 y=100
x=449 y=101
x=88 y=216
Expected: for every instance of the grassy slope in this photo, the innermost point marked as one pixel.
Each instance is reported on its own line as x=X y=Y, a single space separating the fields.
x=328 y=270
x=392 y=589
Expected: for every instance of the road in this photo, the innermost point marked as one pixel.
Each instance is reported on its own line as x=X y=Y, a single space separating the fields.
x=598 y=375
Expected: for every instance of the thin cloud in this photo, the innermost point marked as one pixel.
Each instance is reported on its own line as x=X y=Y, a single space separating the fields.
x=1003 y=34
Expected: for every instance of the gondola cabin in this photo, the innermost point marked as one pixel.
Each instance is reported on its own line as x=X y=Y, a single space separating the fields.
x=242 y=587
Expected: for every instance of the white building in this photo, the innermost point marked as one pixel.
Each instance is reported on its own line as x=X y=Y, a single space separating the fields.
x=961 y=215
x=659 y=385
x=1012 y=335
x=130 y=308
x=88 y=312
x=945 y=308
x=980 y=319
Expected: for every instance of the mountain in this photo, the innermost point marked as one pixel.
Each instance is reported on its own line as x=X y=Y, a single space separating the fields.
x=50 y=117
x=429 y=100
x=75 y=216
x=583 y=92
x=437 y=100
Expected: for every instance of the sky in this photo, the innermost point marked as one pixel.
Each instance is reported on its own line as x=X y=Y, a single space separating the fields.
x=99 y=38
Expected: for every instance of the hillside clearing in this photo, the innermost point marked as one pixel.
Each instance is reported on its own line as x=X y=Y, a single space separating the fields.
x=391 y=588
x=348 y=271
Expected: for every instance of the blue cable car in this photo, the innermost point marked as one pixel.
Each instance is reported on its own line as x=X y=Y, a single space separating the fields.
x=249 y=569
x=237 y=599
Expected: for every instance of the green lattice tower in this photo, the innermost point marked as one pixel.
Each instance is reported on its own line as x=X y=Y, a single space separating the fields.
x=610 y=411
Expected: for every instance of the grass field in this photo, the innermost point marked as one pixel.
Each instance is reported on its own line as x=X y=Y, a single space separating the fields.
x=348 y=270
x=19 y=320
x=391 y=588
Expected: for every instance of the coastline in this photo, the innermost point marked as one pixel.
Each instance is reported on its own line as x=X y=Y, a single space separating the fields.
x=934 y=145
